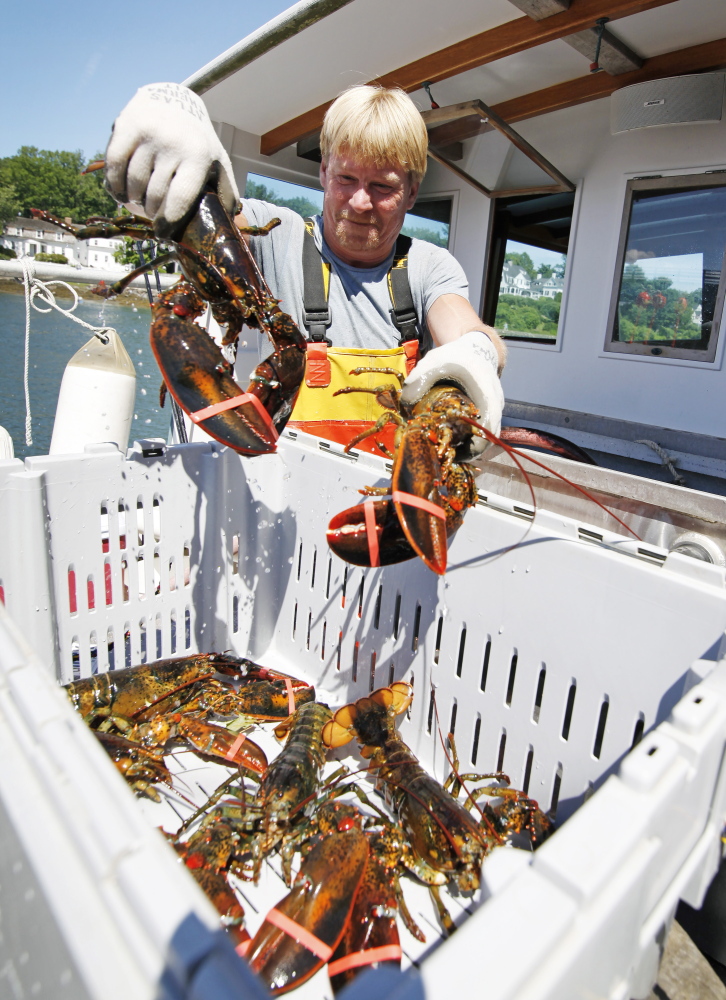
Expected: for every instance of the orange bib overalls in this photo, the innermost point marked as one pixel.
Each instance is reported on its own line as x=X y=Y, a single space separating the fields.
x=328 y=368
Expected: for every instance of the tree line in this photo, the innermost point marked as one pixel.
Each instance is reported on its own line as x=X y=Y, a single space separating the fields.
x=52 y=181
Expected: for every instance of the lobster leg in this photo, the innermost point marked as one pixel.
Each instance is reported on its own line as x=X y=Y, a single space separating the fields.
x=302 y=932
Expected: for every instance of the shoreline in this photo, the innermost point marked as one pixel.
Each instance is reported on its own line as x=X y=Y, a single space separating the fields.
x=131 y=297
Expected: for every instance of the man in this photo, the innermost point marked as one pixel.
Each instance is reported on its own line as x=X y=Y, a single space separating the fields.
x=367 y=297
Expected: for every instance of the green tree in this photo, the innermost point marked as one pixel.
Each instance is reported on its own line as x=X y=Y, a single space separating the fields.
x=9 y=203
x=652 y=309
x=545 y=271
x=303 y=206
x=52 y=181
x=524 y=261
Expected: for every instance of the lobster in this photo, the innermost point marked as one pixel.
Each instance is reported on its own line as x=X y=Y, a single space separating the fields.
x=218 y=270
x=172 y=699
x=291 y=781
x=431 y=485
x=304 y=929
x=449 y=844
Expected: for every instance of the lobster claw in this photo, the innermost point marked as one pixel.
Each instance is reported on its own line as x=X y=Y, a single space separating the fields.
x=369 y=534
x=302 y=932
x=416 y=498
x=198 y=376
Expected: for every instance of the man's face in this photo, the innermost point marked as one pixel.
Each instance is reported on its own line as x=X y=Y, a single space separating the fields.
x=364 y=208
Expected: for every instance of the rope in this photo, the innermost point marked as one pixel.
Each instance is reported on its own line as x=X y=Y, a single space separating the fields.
x=665 y=459
x=35 y=288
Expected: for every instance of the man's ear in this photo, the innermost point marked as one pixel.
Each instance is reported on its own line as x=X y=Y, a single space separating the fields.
x=323 y=173
x=412 y=195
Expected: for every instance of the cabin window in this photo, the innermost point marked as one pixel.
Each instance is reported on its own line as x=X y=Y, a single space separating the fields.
x=669 y=288
x=428 y=220
x=526 y=270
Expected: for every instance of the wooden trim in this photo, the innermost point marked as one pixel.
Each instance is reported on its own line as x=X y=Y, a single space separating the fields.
x=709 y=56
x=505 y=40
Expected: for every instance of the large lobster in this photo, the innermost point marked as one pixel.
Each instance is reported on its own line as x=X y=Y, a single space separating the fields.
x=218 y=270
x=431 y=486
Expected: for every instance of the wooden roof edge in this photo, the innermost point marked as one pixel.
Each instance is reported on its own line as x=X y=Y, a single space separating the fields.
x=506 y=39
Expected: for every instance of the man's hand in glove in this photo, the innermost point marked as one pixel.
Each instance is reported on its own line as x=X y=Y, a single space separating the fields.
x=161 y=151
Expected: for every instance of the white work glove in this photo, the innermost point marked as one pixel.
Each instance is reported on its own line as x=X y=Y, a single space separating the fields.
x=471 y=362
x=161 y=150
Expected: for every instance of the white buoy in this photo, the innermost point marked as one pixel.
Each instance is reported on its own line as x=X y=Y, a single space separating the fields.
x=6 y=445
x=96 y=399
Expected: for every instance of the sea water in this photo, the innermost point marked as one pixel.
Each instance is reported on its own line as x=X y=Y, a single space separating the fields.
x=54 y=339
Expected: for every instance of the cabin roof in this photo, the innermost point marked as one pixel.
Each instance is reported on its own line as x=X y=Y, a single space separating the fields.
x=486 y=49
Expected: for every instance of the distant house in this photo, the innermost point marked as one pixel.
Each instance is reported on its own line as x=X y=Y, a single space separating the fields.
x=515 y=281
x=28 y=237
x=547 y=288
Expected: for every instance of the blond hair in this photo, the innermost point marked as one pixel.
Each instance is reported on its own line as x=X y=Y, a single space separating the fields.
x=378 y=124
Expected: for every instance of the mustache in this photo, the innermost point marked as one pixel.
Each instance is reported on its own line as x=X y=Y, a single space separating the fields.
x=346 y=215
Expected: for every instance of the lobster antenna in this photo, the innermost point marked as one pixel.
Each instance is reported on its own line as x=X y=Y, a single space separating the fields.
x=470 y=795
x=513 y=451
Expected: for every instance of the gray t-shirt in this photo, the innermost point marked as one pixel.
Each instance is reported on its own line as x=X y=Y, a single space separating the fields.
x=360 y=304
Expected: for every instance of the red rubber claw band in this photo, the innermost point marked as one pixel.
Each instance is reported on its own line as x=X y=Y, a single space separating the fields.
x=386 y=953
x=414 y=501
x=232 y=404
x=232 y=752
x=243 y=947
x=304 y=937
x=371 y=532
x=290 y=696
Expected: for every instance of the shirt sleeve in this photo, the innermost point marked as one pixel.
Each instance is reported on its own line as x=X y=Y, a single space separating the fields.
x=441 y=274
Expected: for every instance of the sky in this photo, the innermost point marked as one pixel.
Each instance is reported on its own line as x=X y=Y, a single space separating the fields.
x=537 y=256
x=70 y=67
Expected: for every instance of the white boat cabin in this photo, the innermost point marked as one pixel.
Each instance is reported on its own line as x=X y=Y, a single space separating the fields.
x=605 y=209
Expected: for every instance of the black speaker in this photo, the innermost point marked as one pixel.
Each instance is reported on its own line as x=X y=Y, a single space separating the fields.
x=674 y=101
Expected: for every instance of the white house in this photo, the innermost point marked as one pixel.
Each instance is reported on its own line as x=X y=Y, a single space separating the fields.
x=514 y=280
x=547 y=288
x=28 y=237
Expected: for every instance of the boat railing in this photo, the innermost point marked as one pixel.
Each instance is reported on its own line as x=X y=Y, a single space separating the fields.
x=80 y=275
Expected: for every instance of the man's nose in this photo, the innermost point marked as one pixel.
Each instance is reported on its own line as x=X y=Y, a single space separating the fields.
x=360 y=200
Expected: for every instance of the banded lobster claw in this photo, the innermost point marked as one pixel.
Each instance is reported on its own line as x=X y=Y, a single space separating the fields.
x=429 y=488
x=302 y=932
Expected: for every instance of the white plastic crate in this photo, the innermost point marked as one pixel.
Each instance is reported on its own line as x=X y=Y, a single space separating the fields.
x=549 y=660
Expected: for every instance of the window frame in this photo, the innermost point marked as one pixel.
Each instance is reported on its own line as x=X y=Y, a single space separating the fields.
x=489 y=287
x=663 y=351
